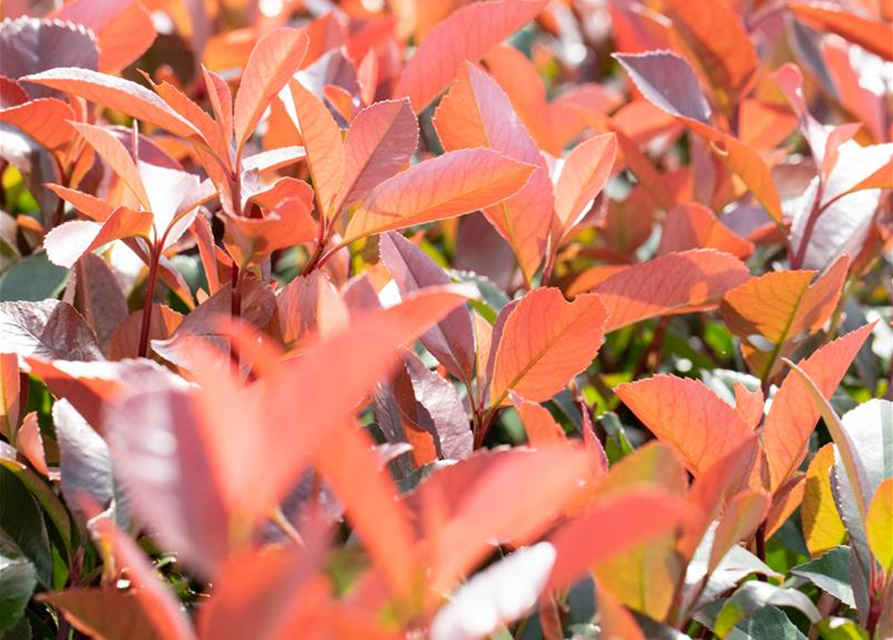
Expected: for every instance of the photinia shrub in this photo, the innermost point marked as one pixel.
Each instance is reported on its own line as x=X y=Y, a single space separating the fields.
x=446 y=319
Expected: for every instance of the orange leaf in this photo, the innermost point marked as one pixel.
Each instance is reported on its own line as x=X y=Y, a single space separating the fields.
x=781 y=307
x=669 y=83
x=873 y=36
x=370 y=498
x=740 y=521
x=254 y=239
x=541 y=428
x=546 y=341
x=476 y=113
x=467 y=491
x=116 y=93
x=447 y=186
x=794 y=415
x=273 y=60
x=610 y=528
x=116 y=156
x=45 y=120
x=123 y=28
x=309 y=307
x=720 y=44
x=68 y=242
x=684 y=414
x=379 y=144
x=694 y=226
x=467 y=34
x=322 y=143
x=669 y=285
x=614 y=621
x=583 y=175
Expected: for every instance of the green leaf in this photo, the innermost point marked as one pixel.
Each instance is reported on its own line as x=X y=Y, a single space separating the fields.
x=754 y=596
x=768 y=622
x=830 y=572
x=22 y=525
x=841 y=629
x=20 y=631
x=617 y=445
x=33 y=278
x=17 y=582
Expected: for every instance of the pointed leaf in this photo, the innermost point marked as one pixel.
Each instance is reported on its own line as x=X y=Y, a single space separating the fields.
x=684 y=414
x=476 y=113
x=669 y=83
x=45 y=120
x=872 y=35
x=370 y=500
x=467 y=34
x=322 y=143
x=68 y=242
x=452 y=340
x=610 y=528
x=251 y=240
x=116 y=93
x=379 y=144
x=720 y=43
x=447 y=186
x=274 y=59
x=794 y=414
x=779 y=308
x=116 y=156
x=48 y=329
x=669 y=285
x=583 y=175
x=694 y=226
x=546 y=341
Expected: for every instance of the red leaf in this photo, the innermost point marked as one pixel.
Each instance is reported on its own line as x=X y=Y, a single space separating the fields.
x=476 y=113
x=546 y=341
x=466 y=492
x=452 y=340
x=308 y=308
x=49 y=329
x=322 y=143
x=116 y=156
x=684 y=414
x=583 y=175
x=669 y=83
x=123 y=28
x=541 y=428
x=720 y=44
x=467 y=34
x=793 y=414
x=447 y=186
x=370 y=499
x=275 y=57
x=45 y=120
x=873 y=36
x=68 y=242
x=115 y=93
x=610 y=528
x=694 y=226
x=669 y=285
x=379 y=144
x=251 y=240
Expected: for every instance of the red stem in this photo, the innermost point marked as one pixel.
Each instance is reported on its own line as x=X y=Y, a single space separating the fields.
x=154 y=259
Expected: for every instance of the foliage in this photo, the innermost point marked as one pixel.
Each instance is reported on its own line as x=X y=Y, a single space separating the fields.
x=446 y=319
